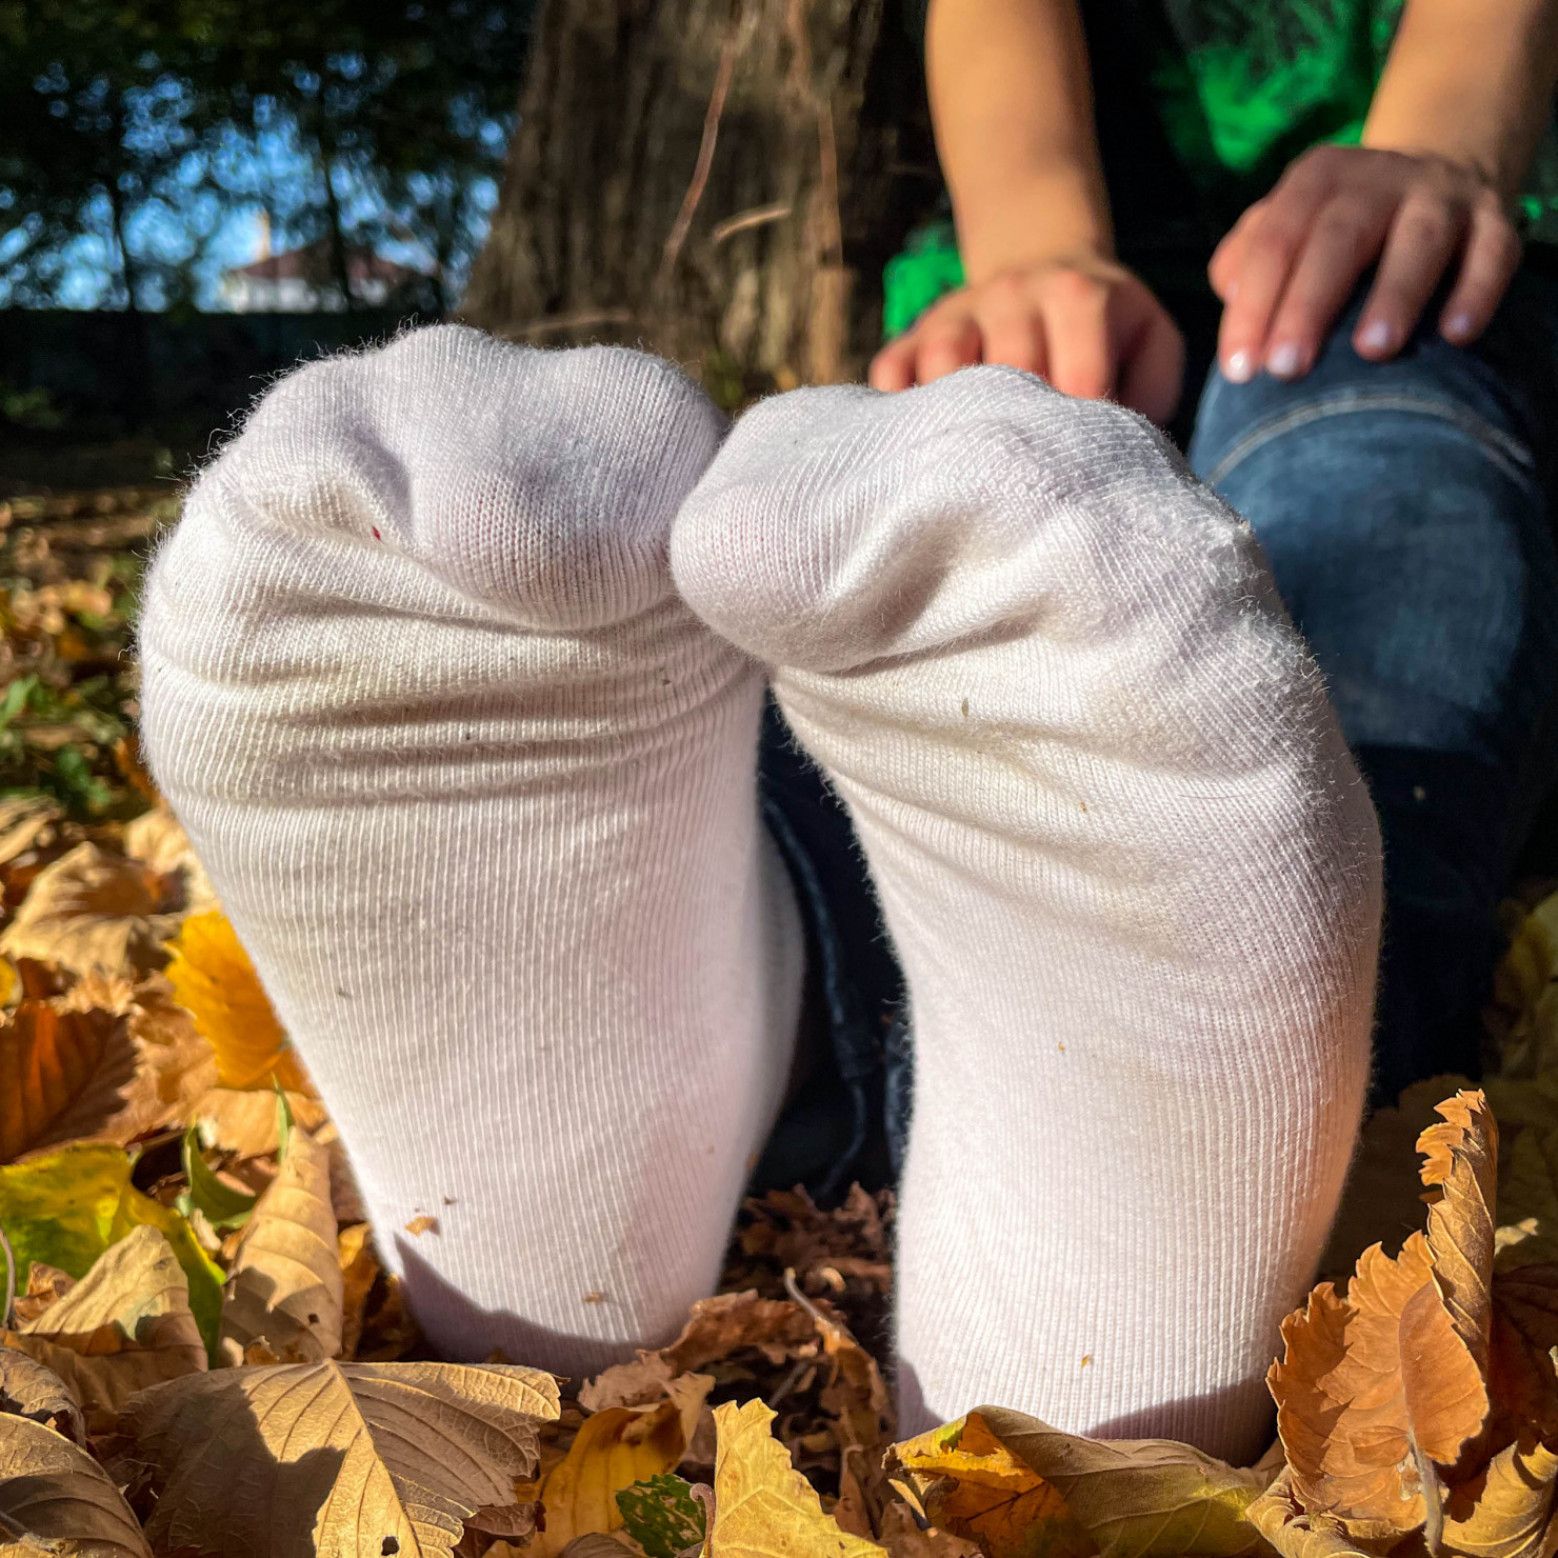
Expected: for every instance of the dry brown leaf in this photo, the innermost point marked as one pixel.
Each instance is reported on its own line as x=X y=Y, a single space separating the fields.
x=91 y=910
x=125 y=1325
x=762 y=1505
x=46 y=1285
x=54 y=1498
x=1460 y=1170
x=181 y=1060
x=157 y=840
x=1120 y=1498
x=214 y=980
x=905 y=1538
x=1377 y=1384
x=244 y=1121
x=286 y=1286
x=32 y=1389
x=1506 y=1511
x=728 y=1322
x=1369 y=1383
x=1295 y=1533
x=612 y=1450
x=359 y=1271
x=68 y=1074
x=361 y=1459
x=26 y=822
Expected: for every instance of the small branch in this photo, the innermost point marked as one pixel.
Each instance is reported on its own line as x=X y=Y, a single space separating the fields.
x=583 y=320
x=730 y=51
x=1433 y=1501
x=744 y=221
x=10 y=1279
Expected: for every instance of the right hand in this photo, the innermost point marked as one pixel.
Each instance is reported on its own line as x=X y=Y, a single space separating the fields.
x=1086 y=324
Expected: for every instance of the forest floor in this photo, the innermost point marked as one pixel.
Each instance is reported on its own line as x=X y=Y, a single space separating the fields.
x=200 y=1354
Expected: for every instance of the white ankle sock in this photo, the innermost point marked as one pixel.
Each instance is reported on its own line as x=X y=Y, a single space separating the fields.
x=478 y=793
x=1127 y=862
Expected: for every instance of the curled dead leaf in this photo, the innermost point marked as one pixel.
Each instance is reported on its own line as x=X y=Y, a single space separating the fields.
x=360 y=1458
x=1506 y=1511
x=93 y=911
x=56 y=1499
x=125 y=1325
x=157 y=840
x=1295 y=1533
x=286 y=1287
x=31 y=1389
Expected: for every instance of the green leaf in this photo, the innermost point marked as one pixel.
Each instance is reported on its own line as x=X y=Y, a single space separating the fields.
x=661 y=1515
x=218 y=1202
x=65 y=1208
x=15 y=699
x=283 y=1122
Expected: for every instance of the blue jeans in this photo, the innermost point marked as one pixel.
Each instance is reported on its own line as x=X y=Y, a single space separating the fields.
x=1406 y=508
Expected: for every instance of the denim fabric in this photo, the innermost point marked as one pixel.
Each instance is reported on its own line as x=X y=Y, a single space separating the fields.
x=1406 y=511
x=1405 y=508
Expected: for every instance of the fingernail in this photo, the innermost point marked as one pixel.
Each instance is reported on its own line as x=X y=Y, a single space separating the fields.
x=1376 y=336
x=1283 y=361
x=1458 y=326
x=1240 y=367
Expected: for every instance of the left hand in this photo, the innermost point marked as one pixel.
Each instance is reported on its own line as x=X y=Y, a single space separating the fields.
x=1289 y=264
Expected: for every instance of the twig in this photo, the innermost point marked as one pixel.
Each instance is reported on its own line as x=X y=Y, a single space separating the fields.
x=1433 y=1501
x=730 y=51
x=582 y=320
x=742 y=221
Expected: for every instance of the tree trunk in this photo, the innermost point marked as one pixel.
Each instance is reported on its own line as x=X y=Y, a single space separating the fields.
x=718 y=182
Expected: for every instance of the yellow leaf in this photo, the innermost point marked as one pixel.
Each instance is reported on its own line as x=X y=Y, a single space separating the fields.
x=124 y=1326
x=93 y=911
x=286 y=1287
x=612 y=1450
x=359 y=1459
x=1460 y=1169
x=214 y=980
x=58 y=1500
x=1505 y=1512
x=763 y=1507
x=1127 y=1498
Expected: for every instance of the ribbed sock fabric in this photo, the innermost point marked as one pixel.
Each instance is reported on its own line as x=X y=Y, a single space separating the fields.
x=478 y=792
x=1128 y=865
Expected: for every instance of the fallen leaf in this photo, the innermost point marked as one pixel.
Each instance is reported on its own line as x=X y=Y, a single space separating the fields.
x=181 y=1060
x=719 y=1326
x=33 y=1390
x=662 y=1516
x=214 y=980
x=1506 y=1511
x=244 y=1121
x=360 y=1458
x=223 y=1206
x=1295 y=1533
x=1460 y=1170
x=1120 y=1498
x=157 y=840
x=1377 y=1384
x=68 y=1074
x=421 y=1225
x=285 y=1287
x=762 y=1505
x=66 y=1207
x=359 y=1271
x=904 y=1537
x=1370 y=1383
x=91 y=910
x=125 y=1325
x=611 y=1451
x=58 y=1500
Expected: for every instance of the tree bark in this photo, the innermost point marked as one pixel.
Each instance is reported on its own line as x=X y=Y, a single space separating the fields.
x=717 y=182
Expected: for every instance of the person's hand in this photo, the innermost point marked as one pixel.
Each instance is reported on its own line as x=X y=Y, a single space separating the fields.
x=1087 y=325
x=1288 y=266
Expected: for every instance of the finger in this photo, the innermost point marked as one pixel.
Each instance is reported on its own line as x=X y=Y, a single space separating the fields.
x=893 y=367
x=1491 y=259
x=1344 y=238
x=947 y=343
x=1223 y=269
x=1276 y=236
x=1011 y=327
x=1422 y=242
x=1076 y=336
x=1152 y=371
